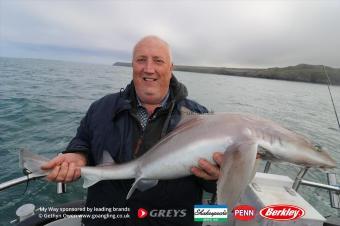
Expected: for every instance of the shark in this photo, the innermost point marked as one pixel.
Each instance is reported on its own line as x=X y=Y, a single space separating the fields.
x=242 y=138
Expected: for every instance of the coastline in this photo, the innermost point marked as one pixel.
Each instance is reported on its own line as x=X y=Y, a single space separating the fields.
x=299 y=73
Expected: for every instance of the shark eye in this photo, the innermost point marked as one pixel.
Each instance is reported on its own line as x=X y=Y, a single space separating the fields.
x=317 y=147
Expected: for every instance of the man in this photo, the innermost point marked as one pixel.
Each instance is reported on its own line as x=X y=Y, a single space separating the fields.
x=129 y=123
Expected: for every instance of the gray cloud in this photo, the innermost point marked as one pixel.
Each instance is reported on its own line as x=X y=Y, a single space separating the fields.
x=213 y=33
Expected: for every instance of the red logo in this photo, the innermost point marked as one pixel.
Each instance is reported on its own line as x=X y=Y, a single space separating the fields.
x=244 y=212
x=282 y=212
x=142 y=213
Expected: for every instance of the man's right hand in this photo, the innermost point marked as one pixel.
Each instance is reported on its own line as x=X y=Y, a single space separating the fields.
x=65 y=167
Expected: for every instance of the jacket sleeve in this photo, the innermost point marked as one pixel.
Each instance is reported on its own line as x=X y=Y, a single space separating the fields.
x=82 y=141
x=207 y=185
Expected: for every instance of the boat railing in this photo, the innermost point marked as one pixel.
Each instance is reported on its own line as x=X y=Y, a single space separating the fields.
x=61 y=187
x=332 y=186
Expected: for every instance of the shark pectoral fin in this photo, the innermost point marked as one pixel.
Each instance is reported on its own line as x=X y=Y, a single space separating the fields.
x=236 y=172
x=142 y=185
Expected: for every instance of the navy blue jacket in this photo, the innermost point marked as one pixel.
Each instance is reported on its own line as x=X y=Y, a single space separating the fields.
x=108 y=125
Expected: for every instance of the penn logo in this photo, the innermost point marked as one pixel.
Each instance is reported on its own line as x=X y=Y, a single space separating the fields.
x=282 y=212
x=142 y=213
x=244 y=212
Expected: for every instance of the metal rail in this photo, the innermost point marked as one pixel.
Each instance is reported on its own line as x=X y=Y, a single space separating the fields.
x=333 y=187
x=267 y=167
x=19 y=180
x=61 y=187
x=298 y=178
x=319 y=185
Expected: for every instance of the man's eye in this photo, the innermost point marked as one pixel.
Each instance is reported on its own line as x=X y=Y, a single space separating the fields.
x=159 y=61
x=141 y=60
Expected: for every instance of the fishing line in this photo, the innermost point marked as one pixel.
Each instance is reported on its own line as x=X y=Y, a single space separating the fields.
x=330 y=93
x=336 y=114
x=27 y=173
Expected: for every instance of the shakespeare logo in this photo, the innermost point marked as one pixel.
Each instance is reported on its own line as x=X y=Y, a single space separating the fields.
x=210 y=213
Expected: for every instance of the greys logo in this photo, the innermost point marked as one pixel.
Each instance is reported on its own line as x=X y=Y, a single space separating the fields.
x=167 y=213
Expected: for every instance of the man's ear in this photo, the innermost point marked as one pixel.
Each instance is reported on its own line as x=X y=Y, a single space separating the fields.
x=172 y=67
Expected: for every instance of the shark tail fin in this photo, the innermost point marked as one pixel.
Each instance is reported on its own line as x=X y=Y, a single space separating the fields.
x=142 y=185
x=32 y=162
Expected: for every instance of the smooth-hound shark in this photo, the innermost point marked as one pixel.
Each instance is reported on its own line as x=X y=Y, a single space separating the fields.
x=240 y=137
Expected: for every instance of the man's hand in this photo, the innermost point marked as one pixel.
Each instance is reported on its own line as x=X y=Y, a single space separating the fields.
x=208 y=170
x=65 y=167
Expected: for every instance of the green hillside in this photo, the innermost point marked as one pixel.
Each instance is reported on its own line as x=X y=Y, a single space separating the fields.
x=300 y=72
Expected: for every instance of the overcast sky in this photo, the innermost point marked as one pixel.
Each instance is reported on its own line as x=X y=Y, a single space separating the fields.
x=210 y=33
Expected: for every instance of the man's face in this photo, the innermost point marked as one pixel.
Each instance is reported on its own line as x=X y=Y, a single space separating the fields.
x=152 y=69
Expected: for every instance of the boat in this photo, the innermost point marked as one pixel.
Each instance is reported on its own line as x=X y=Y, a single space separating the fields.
x=265 y=189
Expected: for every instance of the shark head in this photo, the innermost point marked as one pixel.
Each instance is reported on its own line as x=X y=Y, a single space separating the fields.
x=310 y=155
x=298 y=151
x=322 y=153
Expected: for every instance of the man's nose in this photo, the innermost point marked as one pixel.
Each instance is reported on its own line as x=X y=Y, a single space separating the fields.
x=149 y=67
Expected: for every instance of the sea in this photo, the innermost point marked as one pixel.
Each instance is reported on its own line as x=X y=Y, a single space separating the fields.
x=43 y=101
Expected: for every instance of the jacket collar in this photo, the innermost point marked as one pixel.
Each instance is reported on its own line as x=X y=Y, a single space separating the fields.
x=126 y=97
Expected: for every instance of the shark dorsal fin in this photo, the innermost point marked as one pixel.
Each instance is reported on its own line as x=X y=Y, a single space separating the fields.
x=107 y=159
x=187 y=116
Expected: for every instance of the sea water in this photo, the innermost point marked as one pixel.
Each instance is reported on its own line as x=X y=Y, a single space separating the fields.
x=43 y=101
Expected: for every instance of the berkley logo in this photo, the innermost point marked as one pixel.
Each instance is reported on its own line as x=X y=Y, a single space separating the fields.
x=244 y=212
x=282 y=212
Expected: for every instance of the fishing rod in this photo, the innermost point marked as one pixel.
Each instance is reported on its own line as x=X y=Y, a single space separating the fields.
x=331 y=95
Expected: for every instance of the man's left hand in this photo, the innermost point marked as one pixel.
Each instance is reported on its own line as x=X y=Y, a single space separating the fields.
x=208 y=170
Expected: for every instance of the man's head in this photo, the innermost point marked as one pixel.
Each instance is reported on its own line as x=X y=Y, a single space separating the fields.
x=152 y=69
